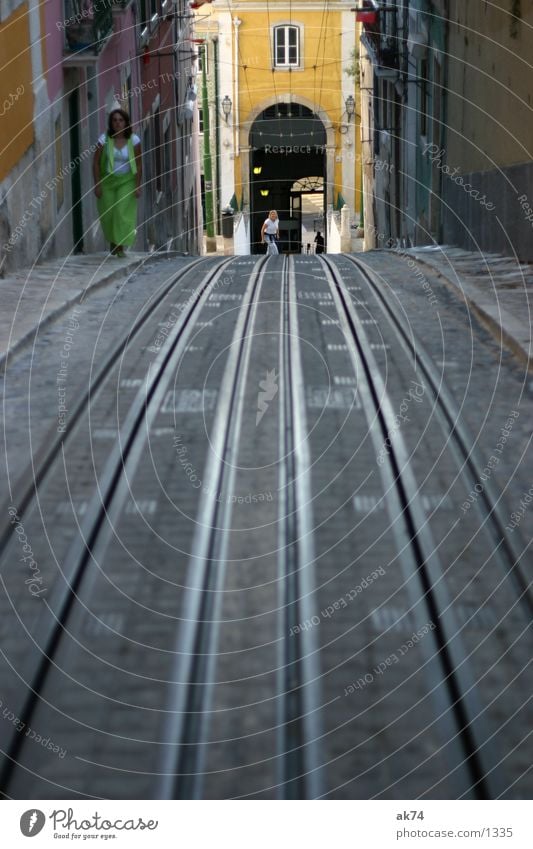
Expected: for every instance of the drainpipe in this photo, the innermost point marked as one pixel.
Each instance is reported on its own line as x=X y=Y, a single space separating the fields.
x=444 y=115
x=236 y=23
x=362 y=201
x=217 y=133
x=211 y=242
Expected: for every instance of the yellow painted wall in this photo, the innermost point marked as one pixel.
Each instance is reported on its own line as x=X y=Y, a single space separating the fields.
x=317 y=84
x=490 y=99
x=319 y=81
x=16 y=95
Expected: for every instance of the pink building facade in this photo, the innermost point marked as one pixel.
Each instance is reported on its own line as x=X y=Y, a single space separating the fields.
x=168 y=109
x=89 y=56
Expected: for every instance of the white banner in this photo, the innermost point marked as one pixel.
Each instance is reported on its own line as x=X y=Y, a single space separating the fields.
x=266 y=825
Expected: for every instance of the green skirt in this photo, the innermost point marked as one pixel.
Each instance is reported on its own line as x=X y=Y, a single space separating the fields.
x=117 y=208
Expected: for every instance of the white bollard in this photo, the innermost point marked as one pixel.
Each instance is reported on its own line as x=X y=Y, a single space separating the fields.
x=346 y=239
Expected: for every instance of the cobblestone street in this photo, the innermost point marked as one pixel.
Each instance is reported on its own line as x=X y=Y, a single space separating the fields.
x=266 y=369
x=267 y=528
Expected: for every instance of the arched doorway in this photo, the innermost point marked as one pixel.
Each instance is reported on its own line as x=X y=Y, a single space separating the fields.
x=287 y=144
x=307 y=207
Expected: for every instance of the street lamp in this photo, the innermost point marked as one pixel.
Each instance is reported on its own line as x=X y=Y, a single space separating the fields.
x=226 y=107
x=264 y=193
x=258 y=169
x=350 y=106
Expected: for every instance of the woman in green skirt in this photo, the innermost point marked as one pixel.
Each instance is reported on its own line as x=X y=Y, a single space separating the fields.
x=117 y=177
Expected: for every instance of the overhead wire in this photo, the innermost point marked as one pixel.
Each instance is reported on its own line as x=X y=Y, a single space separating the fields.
x=326 y=13
x=315 y=66
x=271 y=51
x=240 y=63
x=288 y=46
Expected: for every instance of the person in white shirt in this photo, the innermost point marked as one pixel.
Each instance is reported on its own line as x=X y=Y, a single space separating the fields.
x=117 y=170
x=270 y=233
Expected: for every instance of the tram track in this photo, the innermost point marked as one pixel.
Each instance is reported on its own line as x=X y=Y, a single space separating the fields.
x=300 y=673
x=509 y=551
x=106 y=501
x=478 y=769
x=297 y=756
x=27 y=485
x=184 y=737
x=227 y=677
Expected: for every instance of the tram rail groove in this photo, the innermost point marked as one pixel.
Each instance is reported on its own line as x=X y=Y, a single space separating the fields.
x=185 y=731
x=26 y=486
x=196 y=641
x=299 y=676
x=467 y=452
x=104 y=504
x=185 y=740
x=476 y=768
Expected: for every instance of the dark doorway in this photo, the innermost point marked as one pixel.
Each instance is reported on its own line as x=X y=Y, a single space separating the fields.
x=288 y=143
x=75 y=174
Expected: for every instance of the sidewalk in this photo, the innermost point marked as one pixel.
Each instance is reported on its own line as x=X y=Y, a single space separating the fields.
x=38 y=295
x=497 y=288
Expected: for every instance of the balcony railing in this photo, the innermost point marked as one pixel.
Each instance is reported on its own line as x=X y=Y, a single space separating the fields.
x=87 y=24
x=380 y=36
x=389 y=53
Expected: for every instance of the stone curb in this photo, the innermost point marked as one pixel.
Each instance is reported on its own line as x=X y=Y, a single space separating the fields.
x=495 y=319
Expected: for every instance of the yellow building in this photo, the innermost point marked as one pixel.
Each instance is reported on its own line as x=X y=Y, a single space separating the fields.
x=16 y=92
x=287 y=111
x=16 y=101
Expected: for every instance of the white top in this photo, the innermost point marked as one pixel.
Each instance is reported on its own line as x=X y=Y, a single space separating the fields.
x=122 y=160
x=271 y=227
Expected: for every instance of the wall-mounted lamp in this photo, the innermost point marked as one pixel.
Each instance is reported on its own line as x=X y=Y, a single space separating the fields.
x=258 y=169
x=226 y=107
x=264 y=193
x=349 y=103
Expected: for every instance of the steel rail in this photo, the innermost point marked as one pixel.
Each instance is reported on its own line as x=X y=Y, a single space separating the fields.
x=453 y=685
x=299 y=722
x=185 y=731
x=509 y=551
x=106 y=503
x=32 y=477
x=298 y=703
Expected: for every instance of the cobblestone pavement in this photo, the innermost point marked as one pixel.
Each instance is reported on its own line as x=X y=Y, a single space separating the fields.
x=277 y=570
x=499 y=289
x=35 y=296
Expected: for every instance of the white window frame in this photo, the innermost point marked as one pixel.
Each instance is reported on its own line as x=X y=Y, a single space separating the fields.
x=285 y=27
